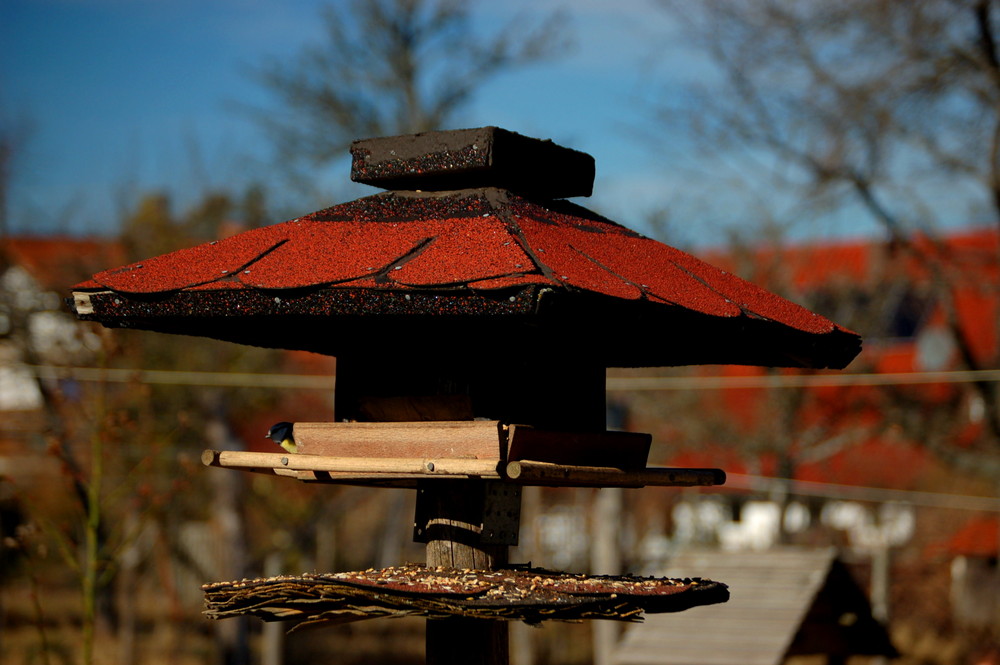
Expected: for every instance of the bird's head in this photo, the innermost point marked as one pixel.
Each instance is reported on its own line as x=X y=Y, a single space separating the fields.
x=281 y=434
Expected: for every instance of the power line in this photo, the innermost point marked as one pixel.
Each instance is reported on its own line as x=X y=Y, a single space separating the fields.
x=639 y=383
x=615 y=383
x=859 y=493
x=734 y=480
x=186 y=378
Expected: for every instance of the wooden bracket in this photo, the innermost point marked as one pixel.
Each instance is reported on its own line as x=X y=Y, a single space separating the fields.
x=501 y=514
x=498 y=503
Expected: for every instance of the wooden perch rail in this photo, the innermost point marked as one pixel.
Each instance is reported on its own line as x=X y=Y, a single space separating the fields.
x=522 y=472
x=528 y=472
x=353 y=465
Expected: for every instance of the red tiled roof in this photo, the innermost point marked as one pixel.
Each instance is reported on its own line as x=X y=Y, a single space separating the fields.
x=476 y=241
x=878 y=462
x=966 y=257
x=979 y=537
x=492 y=250
x=871 y=463
x=805 y=266
x=56 y=261
x=484 y=241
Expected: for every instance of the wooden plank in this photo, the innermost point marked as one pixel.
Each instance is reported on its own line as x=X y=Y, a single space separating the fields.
x=529 y=472
x=624 y=450
x=472 y=439
x=356 y=466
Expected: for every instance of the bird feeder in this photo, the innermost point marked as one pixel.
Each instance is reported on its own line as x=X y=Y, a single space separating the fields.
x=473 y=312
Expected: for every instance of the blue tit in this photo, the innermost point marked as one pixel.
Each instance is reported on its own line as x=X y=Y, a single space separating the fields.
x=281 y=434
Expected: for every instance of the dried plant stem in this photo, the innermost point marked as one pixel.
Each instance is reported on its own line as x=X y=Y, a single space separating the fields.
x=90 y=558
x=92 y=544
x=39 y=619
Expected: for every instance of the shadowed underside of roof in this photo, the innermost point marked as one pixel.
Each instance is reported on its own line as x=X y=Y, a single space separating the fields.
x=477 y=259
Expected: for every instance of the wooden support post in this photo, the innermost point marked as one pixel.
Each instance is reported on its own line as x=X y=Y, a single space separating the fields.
x=605 y=559
x=454 y=540
x=537 y=387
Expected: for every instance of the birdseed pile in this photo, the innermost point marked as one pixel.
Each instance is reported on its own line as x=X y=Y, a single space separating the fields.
x=531 y=595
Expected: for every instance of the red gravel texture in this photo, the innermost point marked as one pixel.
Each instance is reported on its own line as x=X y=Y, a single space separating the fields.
x=474 y=240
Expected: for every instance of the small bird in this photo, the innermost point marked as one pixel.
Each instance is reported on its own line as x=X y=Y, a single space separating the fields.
x=281 y=434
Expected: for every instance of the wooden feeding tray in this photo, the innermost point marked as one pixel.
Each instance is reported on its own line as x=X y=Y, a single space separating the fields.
x=525 y=594
x=401 y=454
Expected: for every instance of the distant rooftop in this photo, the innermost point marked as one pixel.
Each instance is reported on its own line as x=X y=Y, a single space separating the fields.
x=782 y=602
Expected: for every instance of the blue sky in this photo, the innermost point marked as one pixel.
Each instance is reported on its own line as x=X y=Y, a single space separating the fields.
x=123 y=96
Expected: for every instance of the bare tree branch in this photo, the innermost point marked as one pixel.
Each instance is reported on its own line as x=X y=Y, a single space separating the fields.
x=870 y=105
x=389 y=67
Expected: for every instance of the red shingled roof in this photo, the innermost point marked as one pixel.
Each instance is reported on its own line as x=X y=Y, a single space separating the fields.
x=507 y=246
x=463 y=261
x=449 y=247
x=56 y=261
x=979 y=537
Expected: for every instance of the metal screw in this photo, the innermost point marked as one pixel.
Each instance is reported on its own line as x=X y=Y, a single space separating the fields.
x=284 y=460
x=430 y=466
